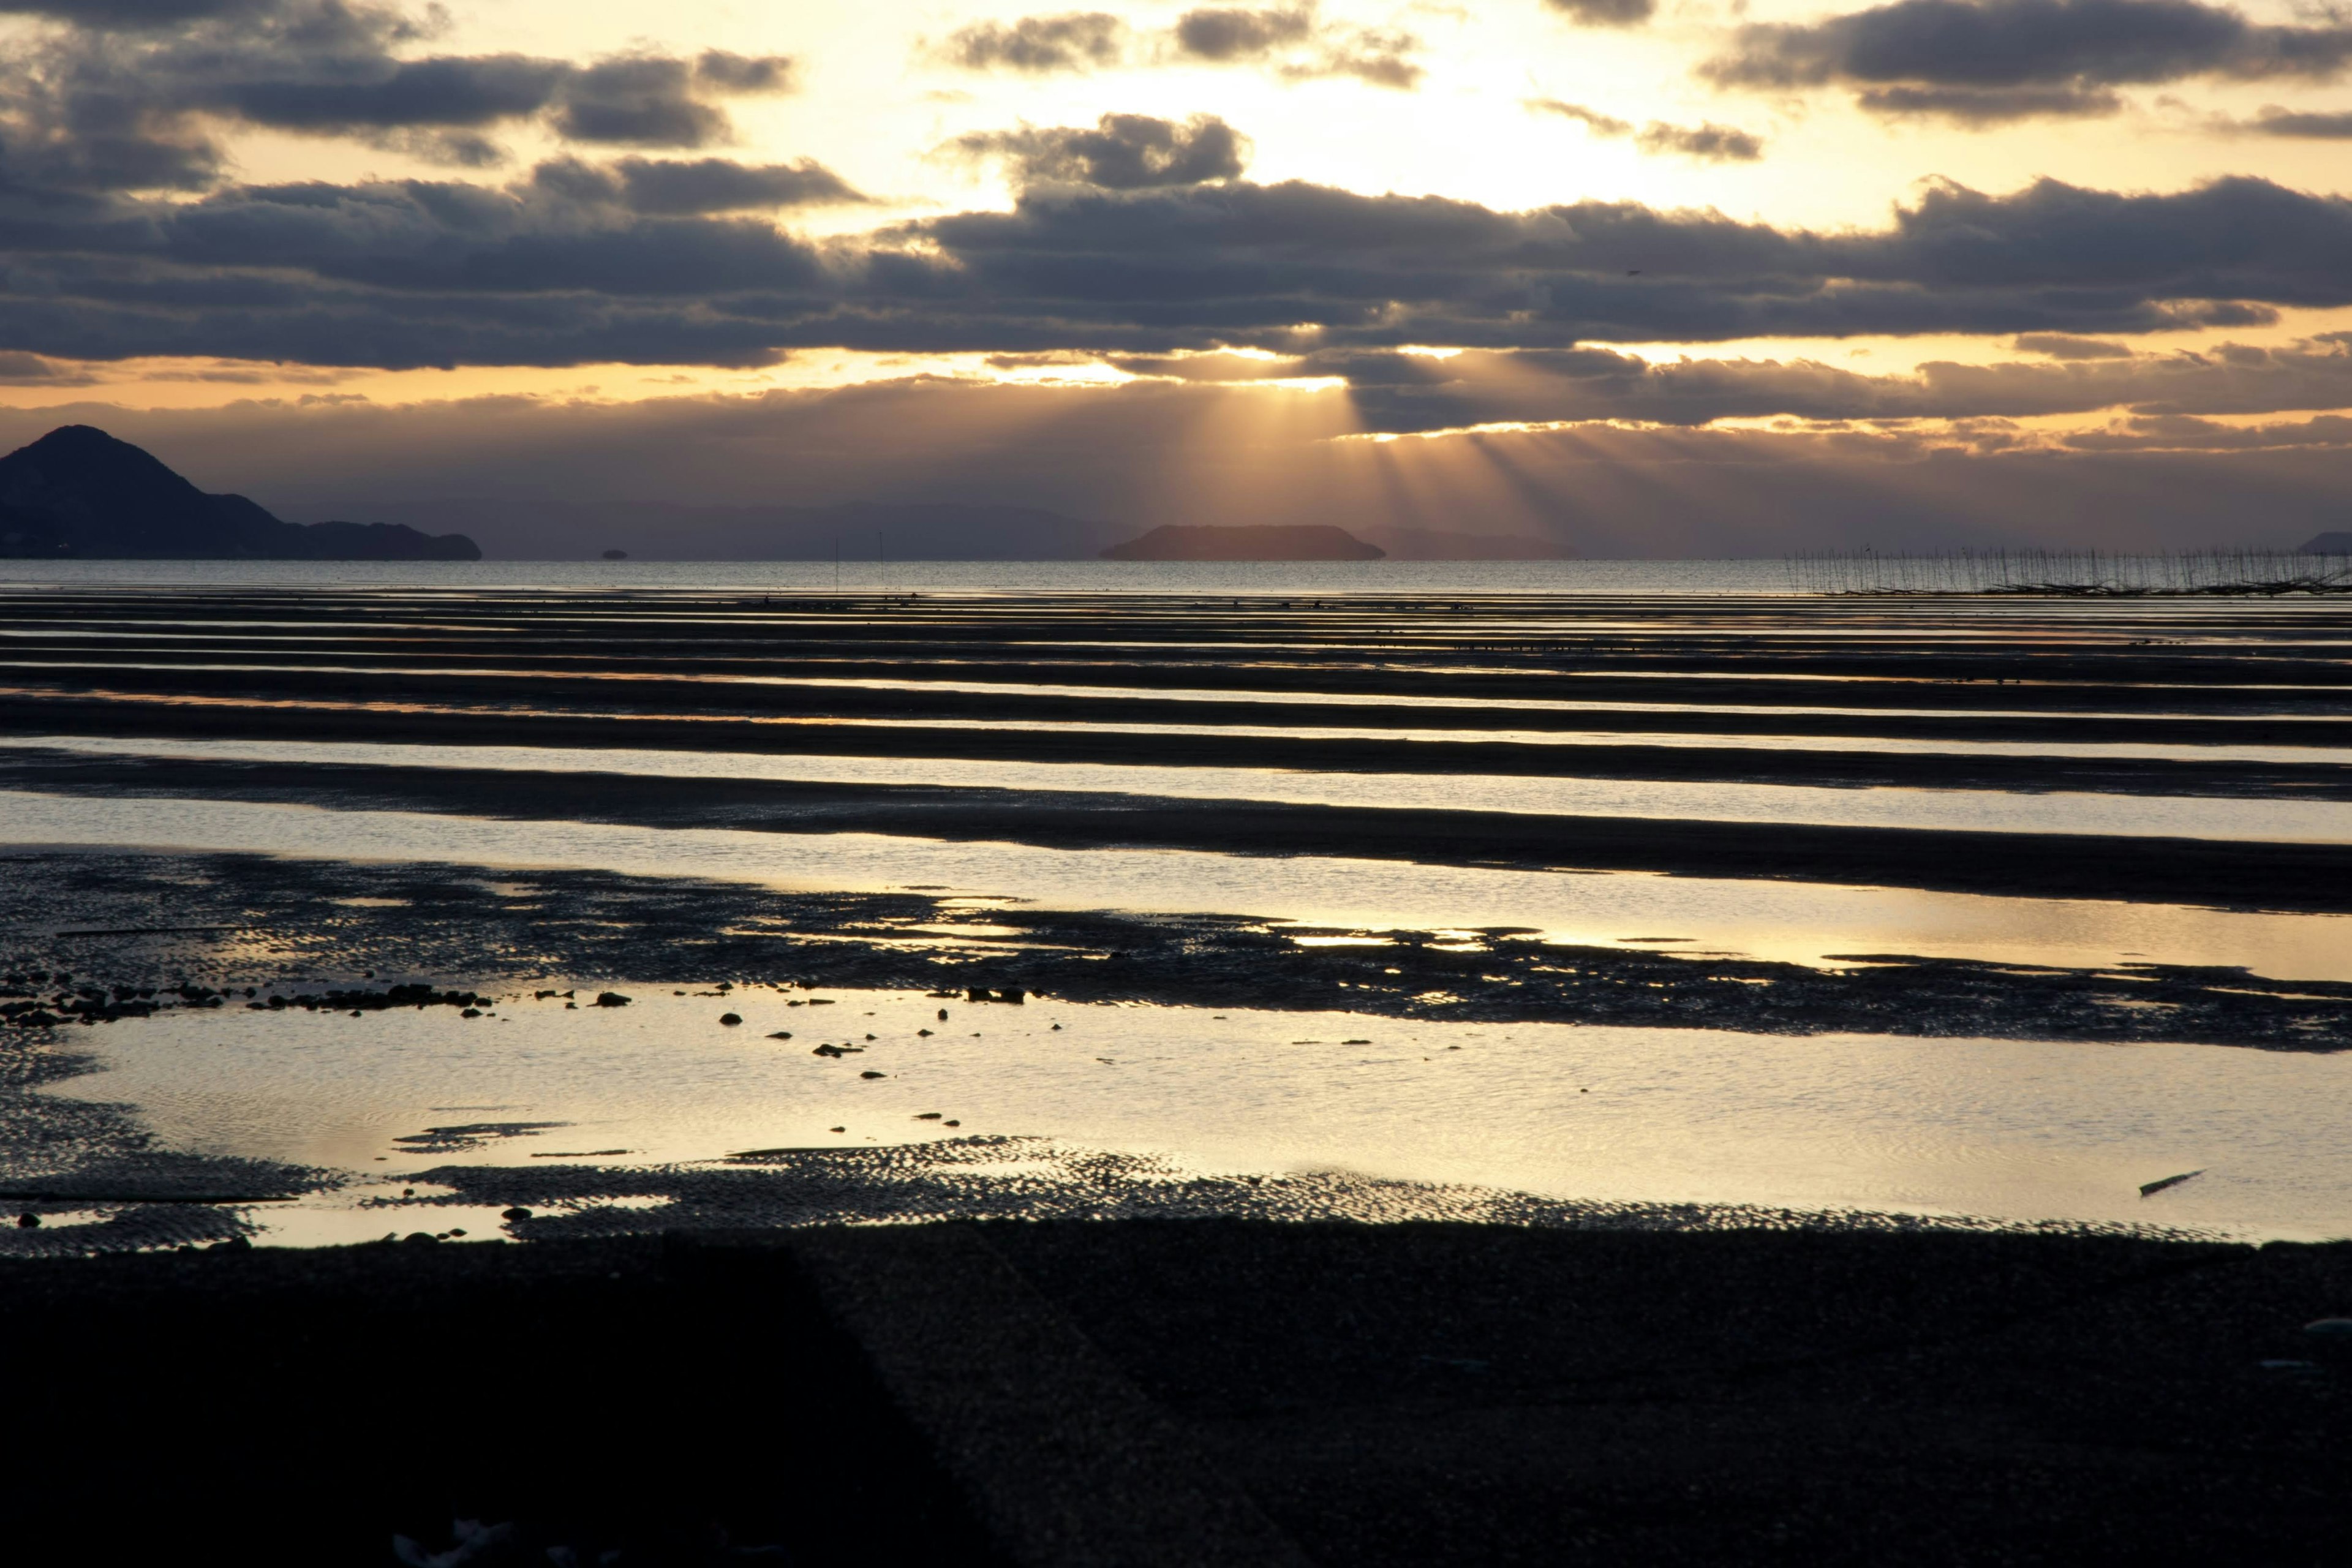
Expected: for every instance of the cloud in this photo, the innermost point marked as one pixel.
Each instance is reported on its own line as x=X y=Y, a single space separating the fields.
x=451 y=149
x=1297 y=44
x=1401 y=392
x=2276 y=121
x=429 y=92
x=697 y=187
x=1073 y=41
x=31 y=370
x=1292 y=42
x=2184 y=433
x=632 y=263
x=1605 y=13
x=1228 y=35
x=1592 y=119
x=2058 y=346
x=130 y=15
x=1123 y=152
x=133 y=97
x=1709 y=142
x=1248 y=264
x=1383 y=59
x=723 y=71
x=638 y=100
x=1987 y=61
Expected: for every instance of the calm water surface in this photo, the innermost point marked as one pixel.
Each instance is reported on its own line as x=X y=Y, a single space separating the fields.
x=2019 y=1131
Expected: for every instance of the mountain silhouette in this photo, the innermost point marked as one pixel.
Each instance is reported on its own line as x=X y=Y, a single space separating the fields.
x=79 y=494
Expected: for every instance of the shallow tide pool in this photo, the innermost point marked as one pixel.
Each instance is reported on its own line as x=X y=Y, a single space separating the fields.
x=2015 y=1130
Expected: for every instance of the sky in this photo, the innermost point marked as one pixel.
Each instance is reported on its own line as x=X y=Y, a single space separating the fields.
x=1645 y=277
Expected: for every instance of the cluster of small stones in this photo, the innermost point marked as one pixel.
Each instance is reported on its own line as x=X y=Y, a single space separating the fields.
x=364 y=1001
x=38 y=999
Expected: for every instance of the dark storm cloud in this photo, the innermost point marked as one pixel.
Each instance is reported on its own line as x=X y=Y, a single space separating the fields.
x=1074 y=41
x=1606 y=13
x=1993 y=61
x=1122 y=151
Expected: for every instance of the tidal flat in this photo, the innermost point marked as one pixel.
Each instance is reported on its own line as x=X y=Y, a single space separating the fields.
x=1979 y=961
x=1896 y=862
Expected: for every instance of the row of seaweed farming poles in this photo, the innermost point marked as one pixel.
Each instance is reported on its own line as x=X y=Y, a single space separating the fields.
x=2073 y=573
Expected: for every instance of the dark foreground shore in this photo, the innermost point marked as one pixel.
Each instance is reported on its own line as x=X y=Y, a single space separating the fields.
x=1200 y=1392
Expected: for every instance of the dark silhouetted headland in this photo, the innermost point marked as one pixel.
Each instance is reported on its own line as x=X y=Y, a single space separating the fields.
x=1291 y=542
x=79 y=494
x=2337 y=543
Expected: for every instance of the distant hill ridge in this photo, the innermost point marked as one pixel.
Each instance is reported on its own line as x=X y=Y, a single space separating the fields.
x=79 y=494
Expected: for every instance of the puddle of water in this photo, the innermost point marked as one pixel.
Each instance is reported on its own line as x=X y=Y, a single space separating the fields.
x=1796 y=923
x=2016 y=1130
x=2066 y=812
x=347 y=1216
